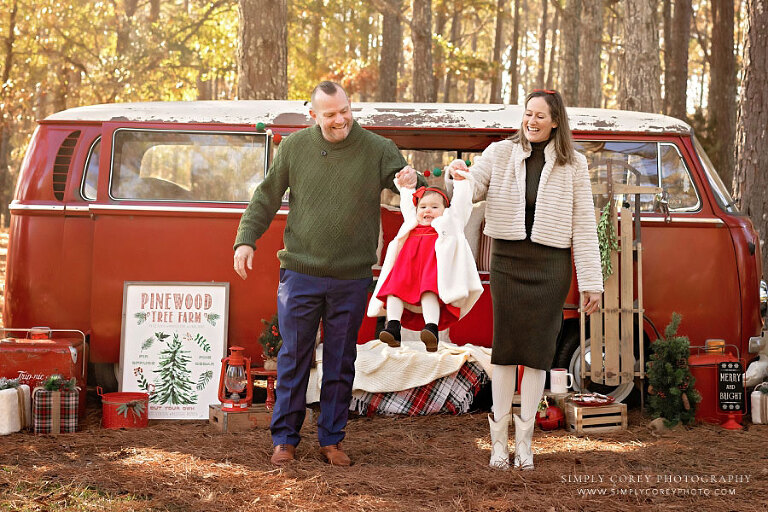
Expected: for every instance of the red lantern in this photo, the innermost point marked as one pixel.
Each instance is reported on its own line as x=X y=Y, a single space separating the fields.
x=235 y=378
x=552 y=418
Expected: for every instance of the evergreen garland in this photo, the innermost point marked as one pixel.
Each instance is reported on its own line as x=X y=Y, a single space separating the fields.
x=606 y=236
x=8 y=383
x=670 y=382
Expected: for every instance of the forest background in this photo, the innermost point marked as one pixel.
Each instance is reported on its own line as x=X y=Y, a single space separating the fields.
x=703 y=61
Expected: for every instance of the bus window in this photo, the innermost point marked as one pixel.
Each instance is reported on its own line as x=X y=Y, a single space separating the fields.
x=629 y=163
x=187 y=166
x=676 y=180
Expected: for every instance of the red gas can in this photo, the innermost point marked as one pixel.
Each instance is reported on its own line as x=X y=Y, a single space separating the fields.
x=57 y=351
x=705 y=368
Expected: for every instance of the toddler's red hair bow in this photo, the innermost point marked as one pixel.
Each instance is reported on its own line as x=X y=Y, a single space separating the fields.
x=419 y=193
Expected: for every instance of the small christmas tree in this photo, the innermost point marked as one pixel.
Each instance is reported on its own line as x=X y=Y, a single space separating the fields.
x=670 y=382
x=270 y=338
x=175 y=383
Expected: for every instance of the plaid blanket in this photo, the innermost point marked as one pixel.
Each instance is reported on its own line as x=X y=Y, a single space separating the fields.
x=452 y=394
x=54 y=412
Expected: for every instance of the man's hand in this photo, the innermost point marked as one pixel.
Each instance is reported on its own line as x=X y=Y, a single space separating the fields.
x=243 y=257
x=456 y=165
x=591 y=302
x=406 y=177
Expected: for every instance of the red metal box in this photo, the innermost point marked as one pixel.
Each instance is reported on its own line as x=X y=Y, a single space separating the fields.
x=32 y=360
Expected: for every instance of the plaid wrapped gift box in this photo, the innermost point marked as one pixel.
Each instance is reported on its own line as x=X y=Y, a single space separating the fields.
x=452 y=394
x=55 y=412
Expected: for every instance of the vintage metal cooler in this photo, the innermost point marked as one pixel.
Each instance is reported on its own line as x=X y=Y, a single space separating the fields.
x=39 y=352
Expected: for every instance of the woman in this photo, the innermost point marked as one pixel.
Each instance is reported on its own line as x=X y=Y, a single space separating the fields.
x=539 y=214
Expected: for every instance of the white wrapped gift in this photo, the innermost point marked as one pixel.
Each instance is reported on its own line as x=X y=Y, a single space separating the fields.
x=15 y=409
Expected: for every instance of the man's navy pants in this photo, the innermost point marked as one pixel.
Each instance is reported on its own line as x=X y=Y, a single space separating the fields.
x=303 y=300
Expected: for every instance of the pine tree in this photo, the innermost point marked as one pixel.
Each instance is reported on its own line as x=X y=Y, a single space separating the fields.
x=175 y=383
x=670 y=382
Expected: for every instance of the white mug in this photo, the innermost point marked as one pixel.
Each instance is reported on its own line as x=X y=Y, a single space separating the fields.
x=560 y=380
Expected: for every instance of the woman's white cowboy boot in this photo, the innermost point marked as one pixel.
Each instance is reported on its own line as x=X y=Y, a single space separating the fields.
x=523 y=437
x=499 y=438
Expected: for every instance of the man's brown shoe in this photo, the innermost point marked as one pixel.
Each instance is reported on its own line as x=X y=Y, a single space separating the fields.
x=335 y=456
x=283 y=454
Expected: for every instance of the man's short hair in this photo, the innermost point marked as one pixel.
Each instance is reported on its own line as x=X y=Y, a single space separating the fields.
x=329 y=88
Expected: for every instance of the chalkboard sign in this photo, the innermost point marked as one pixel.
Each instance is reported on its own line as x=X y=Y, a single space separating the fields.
x=730 y=379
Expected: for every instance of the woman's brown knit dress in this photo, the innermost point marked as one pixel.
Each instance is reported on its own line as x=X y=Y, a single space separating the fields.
x=529 y=284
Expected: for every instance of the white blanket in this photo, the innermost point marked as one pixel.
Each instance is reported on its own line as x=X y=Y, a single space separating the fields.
x=381 y=369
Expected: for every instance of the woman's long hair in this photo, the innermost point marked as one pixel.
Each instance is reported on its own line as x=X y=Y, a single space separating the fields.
x=561 y=135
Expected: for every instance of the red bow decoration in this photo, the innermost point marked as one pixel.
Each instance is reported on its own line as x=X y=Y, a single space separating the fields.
x=419 y=193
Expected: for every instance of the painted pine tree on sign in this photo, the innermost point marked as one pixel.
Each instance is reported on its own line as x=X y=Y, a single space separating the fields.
x=174 y=384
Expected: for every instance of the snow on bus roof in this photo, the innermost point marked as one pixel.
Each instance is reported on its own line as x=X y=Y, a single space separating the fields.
x=384 y=115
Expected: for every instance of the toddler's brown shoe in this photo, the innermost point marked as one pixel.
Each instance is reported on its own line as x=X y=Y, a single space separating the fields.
x=391 y=334
x=429 y=337
x=335 y=456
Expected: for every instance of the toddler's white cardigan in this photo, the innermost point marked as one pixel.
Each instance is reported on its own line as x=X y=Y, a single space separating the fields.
x=458 y=282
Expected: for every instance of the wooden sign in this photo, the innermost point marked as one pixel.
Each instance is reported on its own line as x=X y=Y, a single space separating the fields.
x=173 y=338
x=730 y=386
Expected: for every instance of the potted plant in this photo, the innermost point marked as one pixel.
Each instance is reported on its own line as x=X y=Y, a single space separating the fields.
x=270 y=341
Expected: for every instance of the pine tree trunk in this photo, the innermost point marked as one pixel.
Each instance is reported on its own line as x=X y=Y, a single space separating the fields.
x=721 y=101
x=676 y=72
x=553 y=51
x=421 y=34
x=262 y=52
x=751 y=180
x=391 y=51
x=154 y=10
x=666 y=21
x=439 y=58
x=514 y=76
x=640 y=70
x=455 y=33
x=591 y=47
x=496 y=61
x=5 y=126
x=542 y=46
x=314 y=39
x=471 y=81
x=569 y=51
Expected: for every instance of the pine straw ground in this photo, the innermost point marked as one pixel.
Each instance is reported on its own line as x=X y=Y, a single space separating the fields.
x=401 y=464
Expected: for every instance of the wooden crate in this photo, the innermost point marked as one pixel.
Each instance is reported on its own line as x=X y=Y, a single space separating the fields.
x=593 y=420
x=558 y=399
x=257 y=416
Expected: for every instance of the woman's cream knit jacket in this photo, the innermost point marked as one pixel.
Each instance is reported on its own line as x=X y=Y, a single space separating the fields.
x=565 y=212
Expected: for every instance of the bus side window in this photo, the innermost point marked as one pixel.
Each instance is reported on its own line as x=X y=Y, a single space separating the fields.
x=91 y=172
x=676 y=180
x=629 y=163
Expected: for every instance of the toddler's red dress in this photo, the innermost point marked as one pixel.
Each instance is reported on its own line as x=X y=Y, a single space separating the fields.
x=415 y=272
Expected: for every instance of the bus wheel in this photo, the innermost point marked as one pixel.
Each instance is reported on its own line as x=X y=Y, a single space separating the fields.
x=569 y=357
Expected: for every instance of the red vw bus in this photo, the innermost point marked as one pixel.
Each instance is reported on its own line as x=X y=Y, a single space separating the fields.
x=154 y=192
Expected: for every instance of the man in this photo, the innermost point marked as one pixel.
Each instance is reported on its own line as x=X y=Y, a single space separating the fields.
x=336 y=171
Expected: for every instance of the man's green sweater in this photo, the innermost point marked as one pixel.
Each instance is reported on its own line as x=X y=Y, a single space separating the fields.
x=332 y=228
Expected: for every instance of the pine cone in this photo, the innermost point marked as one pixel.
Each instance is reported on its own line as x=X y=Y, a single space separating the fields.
x=651 y=391
x=686 y=402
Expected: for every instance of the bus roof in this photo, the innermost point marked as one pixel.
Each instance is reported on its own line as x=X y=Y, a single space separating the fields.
x=374 y=115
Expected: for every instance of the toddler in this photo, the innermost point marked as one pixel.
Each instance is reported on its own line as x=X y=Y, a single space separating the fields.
x=429 y=279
